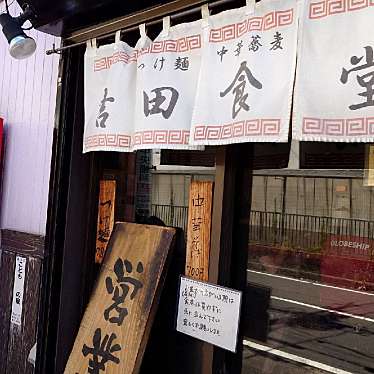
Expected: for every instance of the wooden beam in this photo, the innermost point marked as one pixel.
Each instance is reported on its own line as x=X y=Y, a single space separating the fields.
x=128 y=164
x=223 y=215
x=22 y=243
x=230 y=227
x=215 y=249
x=217 y=214
x=70 y=226
x=129 y=22
x=240 y=235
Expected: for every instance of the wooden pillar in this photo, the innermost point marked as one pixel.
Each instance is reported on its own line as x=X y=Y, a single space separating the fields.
x=229 y=245
x=240 y=243
x=128 y=165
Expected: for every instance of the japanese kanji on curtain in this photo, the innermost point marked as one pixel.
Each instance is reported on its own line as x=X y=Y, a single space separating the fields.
x=109 y=84
x=334 y=94
x=167 y=73
x=142 y=97
x=247 y=75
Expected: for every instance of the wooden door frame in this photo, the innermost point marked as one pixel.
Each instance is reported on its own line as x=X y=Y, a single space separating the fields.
x=71 y=222
x=71 y=219
x=73 y=185
x=68 y=279
x=229 y=247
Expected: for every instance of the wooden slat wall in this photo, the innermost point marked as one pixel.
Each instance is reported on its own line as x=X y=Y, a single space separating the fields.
x=17 y=341
x=6 y=290
x=27 y=103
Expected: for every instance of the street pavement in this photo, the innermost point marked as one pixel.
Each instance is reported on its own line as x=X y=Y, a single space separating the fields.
x=311 y=328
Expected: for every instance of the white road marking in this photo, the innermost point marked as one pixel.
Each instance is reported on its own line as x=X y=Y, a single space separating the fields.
x=324 y=309
x=310 y=282
x=292 y=357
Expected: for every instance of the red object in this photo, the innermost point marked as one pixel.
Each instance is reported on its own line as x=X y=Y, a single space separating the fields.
x=1 y=151
x=1 y=137
x=347 y=262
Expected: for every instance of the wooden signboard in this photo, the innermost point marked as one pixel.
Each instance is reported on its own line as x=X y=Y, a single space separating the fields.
x=198 y=230
x=105 y=217
x=116 y=325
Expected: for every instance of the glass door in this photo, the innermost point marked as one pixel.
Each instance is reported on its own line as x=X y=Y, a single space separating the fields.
x=310 y=304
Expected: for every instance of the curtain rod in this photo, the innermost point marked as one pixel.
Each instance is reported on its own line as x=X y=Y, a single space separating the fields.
x=152 y=16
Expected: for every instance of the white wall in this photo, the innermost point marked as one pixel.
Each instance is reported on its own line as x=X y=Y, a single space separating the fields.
x=27 y=104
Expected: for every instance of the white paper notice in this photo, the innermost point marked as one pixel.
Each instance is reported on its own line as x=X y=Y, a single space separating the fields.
x=209 y=312
x=18 y=287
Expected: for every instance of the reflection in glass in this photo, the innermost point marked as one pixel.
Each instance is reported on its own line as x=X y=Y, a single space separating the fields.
x=311 y=264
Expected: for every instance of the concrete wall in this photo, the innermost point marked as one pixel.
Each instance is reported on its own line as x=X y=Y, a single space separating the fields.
x=27 y=104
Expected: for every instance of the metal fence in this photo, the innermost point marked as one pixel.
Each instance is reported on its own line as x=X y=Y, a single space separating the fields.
x=175 y=216
x=279 y=229
x=304 y=231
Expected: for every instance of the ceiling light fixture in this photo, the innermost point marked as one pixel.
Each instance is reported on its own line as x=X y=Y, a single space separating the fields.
x=20 y=45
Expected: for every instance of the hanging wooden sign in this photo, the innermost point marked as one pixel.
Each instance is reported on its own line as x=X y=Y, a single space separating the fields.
x=105 y=217
x=198 y=230
x=116 y=325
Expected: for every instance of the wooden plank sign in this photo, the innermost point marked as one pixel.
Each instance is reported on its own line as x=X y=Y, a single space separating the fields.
x=105 y=217
x=116 y=325
x=198 y=229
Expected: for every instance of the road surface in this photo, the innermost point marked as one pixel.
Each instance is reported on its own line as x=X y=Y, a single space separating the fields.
x=312 y=328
